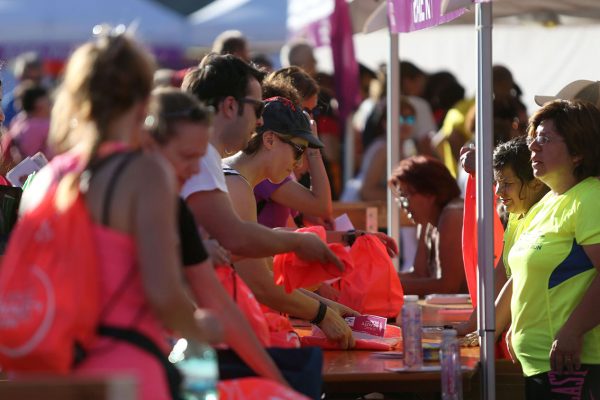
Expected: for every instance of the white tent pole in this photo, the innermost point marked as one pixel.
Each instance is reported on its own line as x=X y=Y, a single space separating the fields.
x=485 y=225
x=393 y=139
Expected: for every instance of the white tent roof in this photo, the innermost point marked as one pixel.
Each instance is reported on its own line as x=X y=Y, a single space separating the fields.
x=263 y=22
x=71 y=21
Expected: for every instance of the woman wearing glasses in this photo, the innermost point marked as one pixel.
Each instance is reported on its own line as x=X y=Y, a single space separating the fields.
x=278 y=202
x=272 y=154
x=555 y=262
x=429 y=194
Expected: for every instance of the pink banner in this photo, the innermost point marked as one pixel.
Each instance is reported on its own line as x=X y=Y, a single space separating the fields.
x=346 y=75
x=413 y=15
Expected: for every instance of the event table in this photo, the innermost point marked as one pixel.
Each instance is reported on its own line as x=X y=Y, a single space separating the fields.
x=361 y=372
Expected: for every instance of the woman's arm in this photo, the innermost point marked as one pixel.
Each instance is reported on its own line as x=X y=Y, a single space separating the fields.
x=209 y=293
x=315 y=201
x=153 y=215
x=503 y=294
x=452 y=278
x=214 y=211
x=256 y=274
x=259 y=278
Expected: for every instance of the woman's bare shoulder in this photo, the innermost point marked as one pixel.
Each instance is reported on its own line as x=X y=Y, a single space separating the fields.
x=453 y=211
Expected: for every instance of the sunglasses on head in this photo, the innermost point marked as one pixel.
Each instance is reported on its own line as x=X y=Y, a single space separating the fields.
x=298 y=149
x=258 y=105
x=313 y=112
x=407 y=119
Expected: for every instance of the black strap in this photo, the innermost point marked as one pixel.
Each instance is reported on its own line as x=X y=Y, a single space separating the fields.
x=260 y=205
x=234 y=294
x=127 y=158
x=227 y=171
x=141 y=341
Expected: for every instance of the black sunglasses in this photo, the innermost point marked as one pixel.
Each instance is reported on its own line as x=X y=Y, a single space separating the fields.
x=314 y=112
x=298 y=149
x=258 y=105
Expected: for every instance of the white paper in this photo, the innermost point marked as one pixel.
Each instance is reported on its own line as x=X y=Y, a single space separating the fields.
x=18 y=175
x=343 y=223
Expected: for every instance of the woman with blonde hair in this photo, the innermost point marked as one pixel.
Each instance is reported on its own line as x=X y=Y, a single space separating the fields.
x=131 y=196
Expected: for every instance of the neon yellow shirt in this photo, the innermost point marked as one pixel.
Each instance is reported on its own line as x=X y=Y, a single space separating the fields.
x=513 y=230
x=551 y=273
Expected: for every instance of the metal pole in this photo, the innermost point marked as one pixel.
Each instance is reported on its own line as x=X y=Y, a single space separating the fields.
x=485 y=200
x=393 y=139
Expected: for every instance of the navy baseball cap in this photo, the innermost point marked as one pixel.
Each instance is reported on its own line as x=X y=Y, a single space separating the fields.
x=282 y=116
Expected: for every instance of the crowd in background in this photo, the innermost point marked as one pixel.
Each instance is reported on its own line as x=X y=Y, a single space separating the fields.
x=244 y=142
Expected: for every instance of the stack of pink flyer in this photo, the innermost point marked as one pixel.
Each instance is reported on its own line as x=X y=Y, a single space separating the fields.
x=367 y=326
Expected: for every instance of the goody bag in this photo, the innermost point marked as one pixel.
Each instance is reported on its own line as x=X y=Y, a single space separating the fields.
x=469 y=238
x=256 y=389
x=373 y=286
x=245 y=300
x=49 y=292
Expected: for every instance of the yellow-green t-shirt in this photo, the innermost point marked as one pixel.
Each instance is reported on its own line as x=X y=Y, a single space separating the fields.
x=513 y=228
x=551 y=273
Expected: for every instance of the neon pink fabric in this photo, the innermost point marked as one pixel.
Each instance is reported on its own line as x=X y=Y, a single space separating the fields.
x=293 y=273
x=281 y=331
x=469 y=238
x=373 y=287
x=118 y=261
x=246 y=302
x=256 y=389
x=118 y=256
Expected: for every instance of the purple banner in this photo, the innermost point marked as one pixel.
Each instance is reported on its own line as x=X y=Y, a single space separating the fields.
x=413 y=15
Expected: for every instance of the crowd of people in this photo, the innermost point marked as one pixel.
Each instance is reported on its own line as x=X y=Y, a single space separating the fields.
x=196 y=179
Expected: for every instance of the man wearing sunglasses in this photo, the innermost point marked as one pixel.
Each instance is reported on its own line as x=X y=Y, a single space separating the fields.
x=233 y=88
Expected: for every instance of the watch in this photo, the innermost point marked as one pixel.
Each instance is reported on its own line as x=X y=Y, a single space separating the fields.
x=350 y=236
x=320 y=314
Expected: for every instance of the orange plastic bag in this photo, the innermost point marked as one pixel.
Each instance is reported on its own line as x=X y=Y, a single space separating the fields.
x=373 y=286
x=49 y=292
x=281 y=331
x=256 y=388
x=245 y=300
x=469 y=238
x=293 y=272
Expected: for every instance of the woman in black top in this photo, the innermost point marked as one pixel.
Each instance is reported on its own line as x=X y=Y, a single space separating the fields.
x=179 y=128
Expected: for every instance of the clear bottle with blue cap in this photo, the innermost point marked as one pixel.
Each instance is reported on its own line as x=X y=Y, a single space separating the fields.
x=198 y=364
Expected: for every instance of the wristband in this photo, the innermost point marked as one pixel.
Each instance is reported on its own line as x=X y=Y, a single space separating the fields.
x=350 y=236
x=320 y=314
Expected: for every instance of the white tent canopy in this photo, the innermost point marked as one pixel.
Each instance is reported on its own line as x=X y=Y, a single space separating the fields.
x=542 y=60
x=29 y=23
x=263 y=22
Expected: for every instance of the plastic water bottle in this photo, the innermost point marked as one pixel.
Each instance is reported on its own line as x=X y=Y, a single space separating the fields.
x=199 y=367
x=411 y=332
x=450 y=361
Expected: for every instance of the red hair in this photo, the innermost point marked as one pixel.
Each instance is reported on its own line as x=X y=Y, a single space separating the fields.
x=426 y=175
